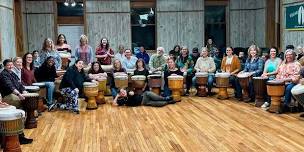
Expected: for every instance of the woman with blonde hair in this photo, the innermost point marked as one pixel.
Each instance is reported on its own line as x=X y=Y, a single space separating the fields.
x=253 y=67
x=84 y=51
x=48 y=49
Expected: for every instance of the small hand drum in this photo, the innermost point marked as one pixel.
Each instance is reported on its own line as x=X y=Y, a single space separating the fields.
x=275 y=90
x=176 y=85
x=12 y=124
x=91 y=91
x=30 y=105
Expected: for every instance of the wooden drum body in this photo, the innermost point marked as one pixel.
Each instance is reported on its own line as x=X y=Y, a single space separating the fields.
x=138 y=84
x=121 y=81
x=42 y=95
x=11 y=124
x=176 y=84
x=65 y=59
x=102 y=87
x=154 y=82
x=222 y=82
x=275 y=90
x=201 y=80
x=298 y=92
x=244 y=82
x=259 y=84
x=30 y=104
x=91 y=91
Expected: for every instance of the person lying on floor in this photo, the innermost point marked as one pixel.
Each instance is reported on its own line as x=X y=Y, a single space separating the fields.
x=148 y=98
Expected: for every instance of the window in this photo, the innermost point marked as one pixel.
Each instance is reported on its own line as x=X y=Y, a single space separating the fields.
x=143 y=27
x=63 y=10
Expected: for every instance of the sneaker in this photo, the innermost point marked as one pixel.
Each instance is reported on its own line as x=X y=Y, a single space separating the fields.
x=63 y=107
x=24 y=140
x=76 y=111
x=168 y=98
x=51 y=107
x=265 y=105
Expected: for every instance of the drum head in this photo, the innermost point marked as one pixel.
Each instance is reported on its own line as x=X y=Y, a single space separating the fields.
x=31 y=88
x=298 y=89
x=275 y=82
x=138 y=77
x=107 y=68
x=39 y=84
x=65 y=55
x=222 y=75
x=243 y=75
x=175 y=77
x=11 y=114
x=121 y=77
x=263 y=78
x=30 y=94
x=201 y=74
x=154 y=76
x=89 y=84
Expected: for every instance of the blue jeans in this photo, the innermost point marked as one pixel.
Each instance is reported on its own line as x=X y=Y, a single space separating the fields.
x=167 y=91
x=50 y=87
x=209 y=83
x=237 y=87
x=114 y=92
x=287 y=93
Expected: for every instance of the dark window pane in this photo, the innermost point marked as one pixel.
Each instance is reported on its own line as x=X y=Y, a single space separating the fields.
x=142 y=16
x=143 y=36
x=70 y=11
x=215 y=14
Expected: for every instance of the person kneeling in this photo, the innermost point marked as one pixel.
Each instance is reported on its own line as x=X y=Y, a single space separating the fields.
x=148 y=98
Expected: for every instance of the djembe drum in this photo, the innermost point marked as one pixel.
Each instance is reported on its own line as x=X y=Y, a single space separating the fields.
x=139 y=82
x=102 y=87
x=60 y=72
x=222 y=82
x=121 y=81
x=176 y=84
x=154 y=82
x=42 y=95
x=91 y=91
x=201 y=80
x=65 y=59
x=30 y=104
x=244 y=79
x=107 y=68
x=275 y=89
x=32 y=89
x=11 y=125
x=130 y=74
x=259 y=84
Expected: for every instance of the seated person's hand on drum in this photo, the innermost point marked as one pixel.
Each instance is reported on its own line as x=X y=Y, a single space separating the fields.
x=3 y=104
x=77 y=90
x=94 y=81
x=264 y=75
x=183 y=69
x=131 y=93
x=20 y=96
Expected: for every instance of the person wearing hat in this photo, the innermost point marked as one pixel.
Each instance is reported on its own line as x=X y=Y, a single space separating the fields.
x=195 y=54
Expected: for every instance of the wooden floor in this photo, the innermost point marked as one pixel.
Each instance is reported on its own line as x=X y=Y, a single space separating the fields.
x=195 y=124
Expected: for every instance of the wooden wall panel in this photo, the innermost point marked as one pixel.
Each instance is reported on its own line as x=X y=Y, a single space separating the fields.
x=39 y=23
x=180 y=22
x=247 y=23
x=108 y=6
x=291 y=37
x=114 y=24
x=7 y=29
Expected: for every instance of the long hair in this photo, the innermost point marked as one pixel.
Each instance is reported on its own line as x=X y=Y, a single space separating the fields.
x=254 y=47
x=179 y=48
x=65 y=41
x=184 y=59
x=107 y=45
x=100 y=70
x=120 y=65
x=44 y=44
x=294 y=55
x=24 y=61
x=142 y=61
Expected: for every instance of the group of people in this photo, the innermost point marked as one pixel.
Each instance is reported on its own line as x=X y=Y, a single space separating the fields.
x=41 y=66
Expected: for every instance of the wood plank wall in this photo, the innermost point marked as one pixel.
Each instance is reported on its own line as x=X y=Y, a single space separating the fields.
x=39 y=23
x=7 y=29
x=110 y=19
x=180 y=22
x=247 y=22
x=291 y=37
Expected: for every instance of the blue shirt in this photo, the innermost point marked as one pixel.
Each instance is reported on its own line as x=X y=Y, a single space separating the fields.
x=129 y=64
x=144 y=56
x=255 y=66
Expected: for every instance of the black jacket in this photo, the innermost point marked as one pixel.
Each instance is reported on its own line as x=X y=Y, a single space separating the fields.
x=74 y=79
x=9 y=81
x=45 y=73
